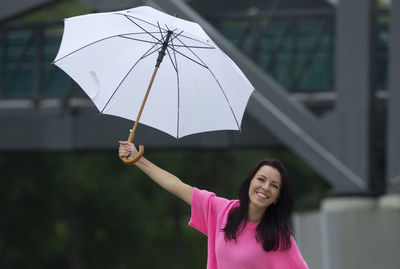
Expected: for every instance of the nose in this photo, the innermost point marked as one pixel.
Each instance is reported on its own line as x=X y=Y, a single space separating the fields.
x=265 y=186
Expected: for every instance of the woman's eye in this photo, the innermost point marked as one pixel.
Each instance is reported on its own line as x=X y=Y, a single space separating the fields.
x=261 y=179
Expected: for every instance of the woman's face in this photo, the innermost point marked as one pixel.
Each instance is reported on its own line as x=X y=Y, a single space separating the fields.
x=264 y=187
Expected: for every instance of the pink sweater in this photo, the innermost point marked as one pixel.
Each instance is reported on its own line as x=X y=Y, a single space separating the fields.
x=209 y=216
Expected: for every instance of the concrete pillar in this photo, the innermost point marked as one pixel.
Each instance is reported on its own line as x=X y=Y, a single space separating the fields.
x=351 y=232
x=307 y=233
x=393 y=136
x=355 y=106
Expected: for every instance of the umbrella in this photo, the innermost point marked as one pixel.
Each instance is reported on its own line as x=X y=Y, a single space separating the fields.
x=115 y=56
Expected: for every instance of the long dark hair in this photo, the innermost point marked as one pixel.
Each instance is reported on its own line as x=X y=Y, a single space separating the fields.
x=274 y=230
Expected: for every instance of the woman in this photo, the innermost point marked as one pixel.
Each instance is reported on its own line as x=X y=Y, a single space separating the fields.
x=250 y=233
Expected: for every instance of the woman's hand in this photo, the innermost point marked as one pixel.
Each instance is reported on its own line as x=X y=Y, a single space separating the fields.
x=127 y=149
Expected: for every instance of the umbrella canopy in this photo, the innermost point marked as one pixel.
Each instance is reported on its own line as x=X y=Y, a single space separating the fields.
x=111 y=56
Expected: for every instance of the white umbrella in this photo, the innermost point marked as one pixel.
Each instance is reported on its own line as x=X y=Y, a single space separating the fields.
x=111 y=56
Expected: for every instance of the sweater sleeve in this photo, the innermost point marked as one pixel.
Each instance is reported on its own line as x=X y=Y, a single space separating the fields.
x=201 y=209
x=206 y=207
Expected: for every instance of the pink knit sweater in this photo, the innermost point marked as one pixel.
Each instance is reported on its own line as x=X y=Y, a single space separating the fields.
x=209 y=216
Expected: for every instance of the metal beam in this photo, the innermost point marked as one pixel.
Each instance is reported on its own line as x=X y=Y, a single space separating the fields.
x=52 y=127
x=355 y=105
x=393 y=131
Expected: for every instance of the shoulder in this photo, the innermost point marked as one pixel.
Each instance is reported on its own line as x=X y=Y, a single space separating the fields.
x=212 y=204
x=208 y=210
x=210 y=198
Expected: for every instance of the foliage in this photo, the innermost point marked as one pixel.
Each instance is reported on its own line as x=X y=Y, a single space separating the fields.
x=88 y=210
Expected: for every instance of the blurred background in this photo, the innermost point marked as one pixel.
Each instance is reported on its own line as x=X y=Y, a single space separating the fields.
x=327 y=105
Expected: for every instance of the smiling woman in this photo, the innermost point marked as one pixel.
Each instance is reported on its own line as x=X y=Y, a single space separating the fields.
x=266 y=198
x=252 y=232
x=263 y=191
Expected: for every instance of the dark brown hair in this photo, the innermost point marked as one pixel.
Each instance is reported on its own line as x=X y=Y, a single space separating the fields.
x=274 y=230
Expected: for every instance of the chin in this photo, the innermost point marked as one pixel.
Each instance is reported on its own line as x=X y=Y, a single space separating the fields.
x=260 y=204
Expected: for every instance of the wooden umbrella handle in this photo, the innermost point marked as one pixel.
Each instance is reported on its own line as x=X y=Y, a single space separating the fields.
x=138 y=156
x=141 y=148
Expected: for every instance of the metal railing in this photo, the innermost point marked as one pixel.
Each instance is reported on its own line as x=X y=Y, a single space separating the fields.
x=296 y=47
x=26 y=53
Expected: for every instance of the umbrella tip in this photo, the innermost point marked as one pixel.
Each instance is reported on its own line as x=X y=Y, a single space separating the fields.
x=100 y=113
x=240 y=130
x=254 y=90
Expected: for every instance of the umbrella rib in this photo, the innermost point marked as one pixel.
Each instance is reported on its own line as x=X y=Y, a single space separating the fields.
x=128 y=17
x=150 y=53
x=170 y=29
x=165 y=30
x=178 y=87
x=141 y=33
x=188 y=37
x=192 y=38
x=195 y=47
x=94 y=42
x=223 y=92
x=135 y=39
x=175 y=35
x=187 y=57
x=116 y=89
x=159 y=28
x=172 y=62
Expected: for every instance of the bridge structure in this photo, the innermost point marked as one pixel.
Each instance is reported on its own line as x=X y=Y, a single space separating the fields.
x=324 y=80
x=327 y=87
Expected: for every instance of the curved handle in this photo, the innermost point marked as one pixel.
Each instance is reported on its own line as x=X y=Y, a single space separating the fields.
x=138 y=156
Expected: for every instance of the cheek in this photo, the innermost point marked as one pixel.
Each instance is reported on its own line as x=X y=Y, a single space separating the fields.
x=252 y=185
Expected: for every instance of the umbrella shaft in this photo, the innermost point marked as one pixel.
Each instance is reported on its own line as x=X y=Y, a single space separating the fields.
x=161 y=54
x=132 y=134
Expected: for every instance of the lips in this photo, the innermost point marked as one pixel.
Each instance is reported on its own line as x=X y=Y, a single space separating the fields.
x=262 y=196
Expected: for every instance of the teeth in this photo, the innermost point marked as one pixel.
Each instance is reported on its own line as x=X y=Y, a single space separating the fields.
x=262 y=195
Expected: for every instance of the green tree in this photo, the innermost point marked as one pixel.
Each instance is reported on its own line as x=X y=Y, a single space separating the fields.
x=88 y=210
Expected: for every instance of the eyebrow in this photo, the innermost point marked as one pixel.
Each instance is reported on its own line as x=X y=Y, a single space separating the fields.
x=273 y=180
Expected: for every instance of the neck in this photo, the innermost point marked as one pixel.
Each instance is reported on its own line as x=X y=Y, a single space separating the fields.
x=255 y=214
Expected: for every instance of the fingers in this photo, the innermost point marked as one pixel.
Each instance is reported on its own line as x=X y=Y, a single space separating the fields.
x=124 y=149
x=124 y=153
x=127 y=144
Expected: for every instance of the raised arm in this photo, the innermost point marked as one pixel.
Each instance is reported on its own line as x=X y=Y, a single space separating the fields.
x=163 y=178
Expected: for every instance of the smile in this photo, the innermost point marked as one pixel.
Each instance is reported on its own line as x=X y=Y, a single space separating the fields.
x=262 y=196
